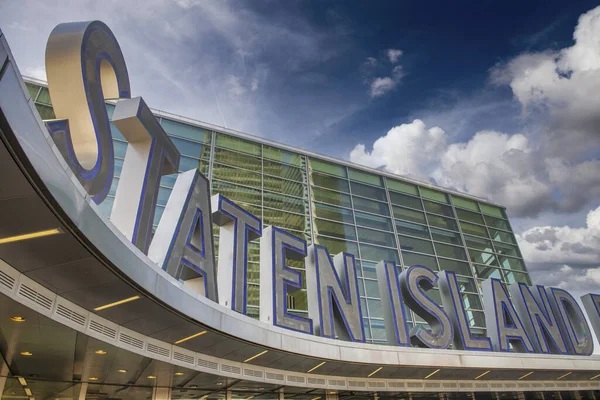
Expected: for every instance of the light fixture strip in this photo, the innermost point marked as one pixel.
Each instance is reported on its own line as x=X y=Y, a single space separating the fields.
x=195 y=335
x=374 y=372
x=116 y=303
x=23 y=382
x=28 y=391
x=256 y=356
x=432 y=374
x=484 y=374
x=526 y=375
x=315 y=367
x=567 y=374
x=594 y=377
x=32 y=235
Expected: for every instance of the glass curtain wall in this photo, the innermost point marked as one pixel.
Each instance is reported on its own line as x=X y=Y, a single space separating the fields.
x=371 y=216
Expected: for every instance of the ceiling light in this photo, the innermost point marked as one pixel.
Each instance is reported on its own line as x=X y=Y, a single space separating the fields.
x=331 y=392
x=116 y=303
x=92 y=378
x=526 y=375
x=374 y=372
x=17 y=319
x=484 y=374
x=567 y=374
x=23 y=382
x=28 y=392
x=26 y=353
x=151 y=377
x=195 y=386
x=218 y=384
x=432 y=374
x=249 y=398
x=122 y=371
x=190 y=337
x=315 y=398
x=315 y=367
x=594 y=377
x=256 y=356
x=179 y=373
x=32 y=235
x=100 y=352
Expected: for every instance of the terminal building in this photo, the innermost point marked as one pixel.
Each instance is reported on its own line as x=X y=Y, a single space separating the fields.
x=84 y=314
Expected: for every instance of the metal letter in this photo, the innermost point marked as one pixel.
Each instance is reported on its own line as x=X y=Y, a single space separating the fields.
x=238 y=227
x=591 y=303
x=502 y=321
x=150 y=155
x=333 y=299
x=394 y=317
x=538 y=319
x=414 y=282
x=453 y=305
x=277 y=279
x=85 y=66
x=183 y=243
x=571 y=321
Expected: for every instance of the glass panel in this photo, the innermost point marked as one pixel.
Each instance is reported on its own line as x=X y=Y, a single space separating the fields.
x=331 y=197
x=44 y=97
x=158 y=214
x=163 y=196
x=120 y=148
x=502 y=236
x=412 y=229
x=507 y=249
x=365 y=177
x=113 y=187
x=375 y=309
x=478 y=243
x=465 y=284
x=327 y=167
x=186 y=131
x=433 y=195
x=237 y=144
x=441 y=222
x=512 y=263
x=408 y=214
x=282 y=202
x=371 y=288
x=514 y=277
x=491 y=210
x=368 y=191
x=300 y=300
x=236 y=175
x=483 y=257
x=118 y=166
x=371 y=206
x=335 y=246
x=445 y=236
x=279 y=155
x=459 y=267
x=329 y=228
x=238 y=160
x=329 y=182
x=402 y=187
x=438 y=208
x=411 y=259
x=473 y=229
x=187 y=163
x=253 y=294
x=375 y=253
x=333 y=213
x=483 y=272
x=418 y=245
x=469 y=216
x=476 y=318
x=284 y=220
x=237 y=193
x=45 y=112
x=376 y=237
x=369 y=269
x=283 y=186
x=282 y=170
x=33 y=90
x=465 y=203
x=446 y=250
x=497 y=223
x=406 y=201
x=373 y=221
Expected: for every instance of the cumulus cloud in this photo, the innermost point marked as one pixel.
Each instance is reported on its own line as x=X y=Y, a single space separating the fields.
x=394 y=55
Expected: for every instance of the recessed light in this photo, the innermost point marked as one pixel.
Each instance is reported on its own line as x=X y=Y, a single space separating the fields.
x=526 y=375
x=151 y=377
x=193 y=386
x=256 y=356
x=26 y=353
x=195 y=335
x=122 y=371
x=179 y=373
x=315 y=367
x=17 y=319
x=92 y=378
x=567 y=374
x=116 y=303
x=22 y=381
x=484 y=374
x=100 y=352
x=219 y=383
x=28 y=392
x=374 y=372
x=432 y=374
x=32 y=235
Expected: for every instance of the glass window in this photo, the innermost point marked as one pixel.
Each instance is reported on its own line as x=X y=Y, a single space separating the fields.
x=329 y=182
x=368 y=191
x=491 y=210
x=118 y=166
x=283 y=186
x=465 y=203
x=237 y=144
x=327 y=167
x=373 y=221
x=408 y=214
x=158 y=214
x=186 y=131
x=375 y=310
x=333 y=213
x=331 y=197
x=44 y=96
x=406 y=201
x=438 y=208
x=368 y=269
x=238 y=160
x=371 y=206
x=484 y=272
x=375 y=253
x=411 y=259
x=459 y=267
x=120 y=148
x=402 y=187
x=189 y=148
x=336 y=246
x=431 y=194
x=507 y=249
x=441 y=222
x=45 y=112
x=283 y=202
x=465 y=284
x=446 y=250
x=476 y=318
x=502 y=236
x=376 y=237
x=281 y=156
x=412 y=229
x=187 y=163
x=335 y=229
x=113 y=187
x=473 y=229
x=514 y=277
x=483 y=257
x=282 y=171
x=284 y=220
x=163 y=196
x=446 y=236
x=237 y=193
x=413 y=244
x=236 y=175
x=362 y=176
x=512 y=263
x=478 y=243
x=33 y=90
x=372 y=288
x=469 y=216
x=497 y=223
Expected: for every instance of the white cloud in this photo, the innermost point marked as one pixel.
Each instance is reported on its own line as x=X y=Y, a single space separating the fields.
x=394 y=55
x=36 y=72
x=382 y=85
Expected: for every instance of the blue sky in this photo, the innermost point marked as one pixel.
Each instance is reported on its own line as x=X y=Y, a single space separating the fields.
x=499 y=99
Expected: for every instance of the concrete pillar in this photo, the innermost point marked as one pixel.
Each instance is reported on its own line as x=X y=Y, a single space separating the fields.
x=161 y=393
x=83 y=391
